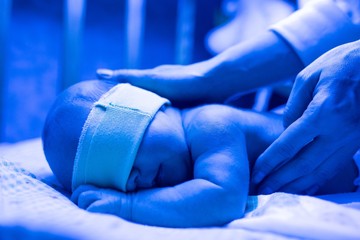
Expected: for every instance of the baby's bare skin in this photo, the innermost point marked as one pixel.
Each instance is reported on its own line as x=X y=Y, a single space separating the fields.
x=192 y=168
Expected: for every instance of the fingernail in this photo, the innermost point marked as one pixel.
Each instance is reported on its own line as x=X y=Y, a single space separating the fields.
x=105 y=73
x=266 y=191
x=258 y=177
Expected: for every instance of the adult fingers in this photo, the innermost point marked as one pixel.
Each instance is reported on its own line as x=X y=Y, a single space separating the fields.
x=290 y=142
x=328 y=169
x=301 y=95
x=303 y=164
x=105 y=74
x=133 y=76
x=149 y=79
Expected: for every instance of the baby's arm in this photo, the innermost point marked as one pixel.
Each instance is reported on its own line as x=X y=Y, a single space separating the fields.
x=216 y=195
x=218 y=192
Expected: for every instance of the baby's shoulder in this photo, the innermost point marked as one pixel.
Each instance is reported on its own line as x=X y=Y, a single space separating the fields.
x=209 y=117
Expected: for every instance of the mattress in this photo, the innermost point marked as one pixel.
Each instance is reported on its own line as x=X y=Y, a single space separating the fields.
x=33 y=205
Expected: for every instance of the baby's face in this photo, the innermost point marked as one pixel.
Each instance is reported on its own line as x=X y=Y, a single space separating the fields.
x=163 y=158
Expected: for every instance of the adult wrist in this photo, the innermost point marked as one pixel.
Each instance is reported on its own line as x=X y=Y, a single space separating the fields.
x=317 y=28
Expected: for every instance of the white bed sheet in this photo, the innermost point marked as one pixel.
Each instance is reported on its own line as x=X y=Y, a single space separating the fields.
x=33 y=206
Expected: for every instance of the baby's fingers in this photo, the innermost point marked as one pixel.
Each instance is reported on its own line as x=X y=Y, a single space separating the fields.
x=81 y=189
x=100 y=206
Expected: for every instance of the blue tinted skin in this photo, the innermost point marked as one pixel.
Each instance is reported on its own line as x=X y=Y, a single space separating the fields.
x=265 y=60
x=322 y=120
x=192 y=169
x=317 y=116
x=164 y=158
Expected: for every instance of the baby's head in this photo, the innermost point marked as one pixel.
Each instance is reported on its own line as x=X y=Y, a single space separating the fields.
x=115 y=136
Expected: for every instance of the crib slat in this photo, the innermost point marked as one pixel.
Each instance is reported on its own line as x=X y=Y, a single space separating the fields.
x=185 y=31
x=74 y=25
x=135 y=14
x=5 y=12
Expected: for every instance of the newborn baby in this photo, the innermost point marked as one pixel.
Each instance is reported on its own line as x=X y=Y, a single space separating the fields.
x=126 y=151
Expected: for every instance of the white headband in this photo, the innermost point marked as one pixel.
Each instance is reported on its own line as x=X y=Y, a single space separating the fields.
x=112 y=134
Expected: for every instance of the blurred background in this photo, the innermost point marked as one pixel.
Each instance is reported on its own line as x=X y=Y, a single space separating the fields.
x=46 y=45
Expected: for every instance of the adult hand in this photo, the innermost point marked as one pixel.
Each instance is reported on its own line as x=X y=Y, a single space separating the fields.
x=184 y=85
x=322 y=121
x=99 y=200
x=241 y=68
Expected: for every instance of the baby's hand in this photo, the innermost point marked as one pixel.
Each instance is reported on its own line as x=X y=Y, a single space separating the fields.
x=99 y=200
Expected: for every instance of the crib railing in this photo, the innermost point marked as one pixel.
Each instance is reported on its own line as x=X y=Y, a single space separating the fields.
x=135 y=13
x=74 y=19
x=5 y=8
x=135 y=25
x=74 y=12
x=185 y=31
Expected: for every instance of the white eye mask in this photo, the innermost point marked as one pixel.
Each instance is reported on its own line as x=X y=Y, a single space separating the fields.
x=112 y=134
